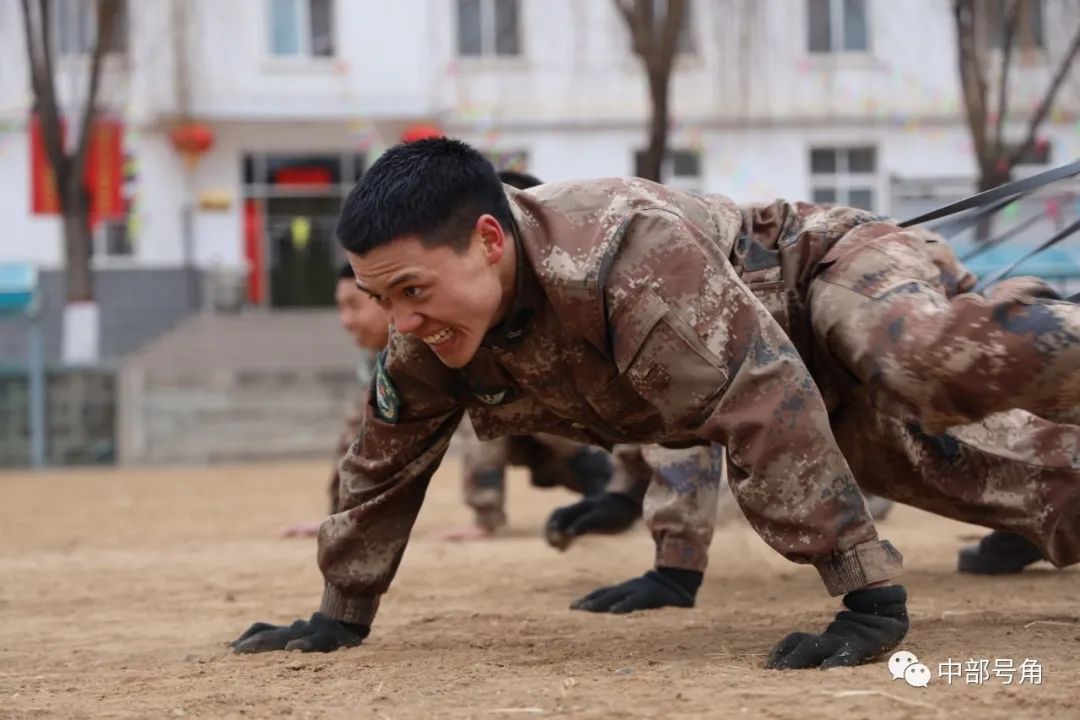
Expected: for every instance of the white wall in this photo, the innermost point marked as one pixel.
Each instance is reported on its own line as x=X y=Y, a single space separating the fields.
x=752 y=99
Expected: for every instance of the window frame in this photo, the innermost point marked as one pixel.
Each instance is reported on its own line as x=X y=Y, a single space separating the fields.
x=995 y=36
x=79 y=19
x=488 y=33
x=304 y=32
x=842 y=181
x=691 y=183
x=837 y=28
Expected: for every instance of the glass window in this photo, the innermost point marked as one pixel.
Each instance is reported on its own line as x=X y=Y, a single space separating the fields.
x=1029 y=26
x=861 y=198
x=818 y=26
x=506 y=27
x=855 y=25
x=846 y=176
x=75 y=23
x=823 y=161
x=285 y=27
x=685 y=163
x=824 y=195
x=302 y=27
x=488 y=28
x=322 y=35
x=861 y=160
x=837 y=25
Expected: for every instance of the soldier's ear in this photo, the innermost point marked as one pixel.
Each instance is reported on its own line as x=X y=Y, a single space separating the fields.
x=492 y=238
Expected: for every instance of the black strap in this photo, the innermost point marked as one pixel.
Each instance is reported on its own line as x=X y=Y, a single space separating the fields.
x=1003 y=237
x=999 y=193
x=949 y=228
x=1066 y=232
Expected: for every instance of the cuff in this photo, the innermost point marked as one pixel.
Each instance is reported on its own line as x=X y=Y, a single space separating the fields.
x=859 y=566
x=675 y=552
x=356 y=609
x=490 y=518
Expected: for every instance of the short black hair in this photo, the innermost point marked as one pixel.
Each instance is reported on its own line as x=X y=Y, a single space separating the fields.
x=520 y=180
x=345 y=272
x=434 y=188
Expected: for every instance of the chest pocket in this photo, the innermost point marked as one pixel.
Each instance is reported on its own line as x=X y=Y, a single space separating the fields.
x=666 y=362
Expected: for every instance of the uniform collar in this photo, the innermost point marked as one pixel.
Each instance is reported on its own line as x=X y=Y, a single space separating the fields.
x=527 y=298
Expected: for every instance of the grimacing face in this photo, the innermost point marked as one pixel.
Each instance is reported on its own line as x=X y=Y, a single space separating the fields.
x=361 y=316
x=447 y=298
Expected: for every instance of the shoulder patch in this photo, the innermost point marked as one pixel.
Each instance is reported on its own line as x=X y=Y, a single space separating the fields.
x=387 y=404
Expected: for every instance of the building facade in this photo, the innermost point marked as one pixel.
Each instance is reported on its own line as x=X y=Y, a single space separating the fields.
x=851 y=101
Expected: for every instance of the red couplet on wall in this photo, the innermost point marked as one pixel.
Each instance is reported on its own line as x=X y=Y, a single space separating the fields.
x=103 y=176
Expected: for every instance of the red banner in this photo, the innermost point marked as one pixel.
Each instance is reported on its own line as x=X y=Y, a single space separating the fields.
x=44 y=199
x=105 y=170
x=104 y=176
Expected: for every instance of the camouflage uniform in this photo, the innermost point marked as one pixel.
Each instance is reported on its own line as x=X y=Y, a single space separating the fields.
x=931 y=371
x=629 y=325
x=552 y=462
x=351 y=427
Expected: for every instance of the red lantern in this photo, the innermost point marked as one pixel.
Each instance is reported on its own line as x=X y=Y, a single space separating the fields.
x=421 y=131
x=192 y=140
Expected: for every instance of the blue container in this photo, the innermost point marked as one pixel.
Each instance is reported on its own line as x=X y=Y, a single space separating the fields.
x=18 y=288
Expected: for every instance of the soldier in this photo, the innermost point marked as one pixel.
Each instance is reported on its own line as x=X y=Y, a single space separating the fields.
x=366 y=324
x=553 y=461
x=619 y=310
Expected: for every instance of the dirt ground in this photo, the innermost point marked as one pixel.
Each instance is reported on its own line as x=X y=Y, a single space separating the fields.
x=120 y=589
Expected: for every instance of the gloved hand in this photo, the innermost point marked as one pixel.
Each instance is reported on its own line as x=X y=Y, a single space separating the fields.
x=319 y=634
x=606 y=513
x=875 y=622
x=663 y=587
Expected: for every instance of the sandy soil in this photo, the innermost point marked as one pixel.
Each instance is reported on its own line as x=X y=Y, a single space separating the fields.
x=119 y=590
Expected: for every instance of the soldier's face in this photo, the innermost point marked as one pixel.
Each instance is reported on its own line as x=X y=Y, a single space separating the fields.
x=361 y=316
x=445 y=297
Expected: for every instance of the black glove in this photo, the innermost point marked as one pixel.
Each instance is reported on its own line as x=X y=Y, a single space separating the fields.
x=875 y=622
x=606 y=513
x=319 y=634
x=663 y=587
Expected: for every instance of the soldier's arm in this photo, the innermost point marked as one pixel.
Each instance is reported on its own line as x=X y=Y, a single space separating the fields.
x=349 y=432
x=408 y=420
x=695 y=343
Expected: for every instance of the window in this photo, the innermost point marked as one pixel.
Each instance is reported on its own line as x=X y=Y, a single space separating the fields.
x=1029 y=25
x=74 y=27
x=488 y=28
x=845 y=176
x=837 y=26
x=113 y=238
x=301 y=28
x=681 y=169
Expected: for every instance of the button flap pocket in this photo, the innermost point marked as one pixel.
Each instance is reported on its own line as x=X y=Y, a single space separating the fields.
x=637 y=319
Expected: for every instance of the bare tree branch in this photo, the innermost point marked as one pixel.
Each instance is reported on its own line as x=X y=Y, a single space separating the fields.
x=669 y=35
x=107 y=11
x=1043 y=107
x=38 y=47
x=1012 y=16
x=971 y=82
x=655 y=41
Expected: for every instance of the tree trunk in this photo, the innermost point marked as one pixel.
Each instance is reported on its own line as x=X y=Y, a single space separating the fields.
x=652 y=164
x=78 y=243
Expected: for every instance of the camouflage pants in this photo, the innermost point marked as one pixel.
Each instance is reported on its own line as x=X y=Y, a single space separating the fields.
x=928 y=375
x=552 y=462
x=893 y=308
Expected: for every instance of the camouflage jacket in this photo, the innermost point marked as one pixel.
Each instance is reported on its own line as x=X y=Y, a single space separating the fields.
x=629 y=325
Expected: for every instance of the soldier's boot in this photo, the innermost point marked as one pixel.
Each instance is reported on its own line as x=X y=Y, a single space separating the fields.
x=999 y=553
